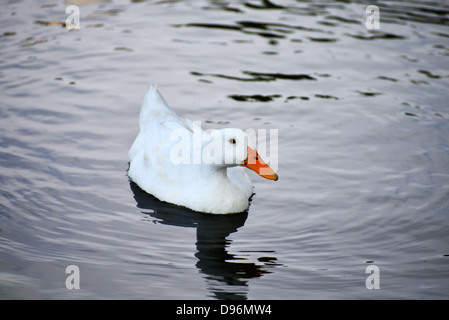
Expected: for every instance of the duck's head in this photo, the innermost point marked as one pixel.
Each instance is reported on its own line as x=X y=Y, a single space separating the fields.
x=229 y=147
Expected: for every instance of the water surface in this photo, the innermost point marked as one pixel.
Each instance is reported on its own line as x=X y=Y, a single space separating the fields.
x=362 y=117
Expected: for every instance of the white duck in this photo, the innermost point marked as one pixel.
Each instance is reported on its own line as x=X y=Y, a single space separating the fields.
x=173 y=159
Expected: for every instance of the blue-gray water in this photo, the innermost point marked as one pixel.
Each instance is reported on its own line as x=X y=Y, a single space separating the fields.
x=363 y=123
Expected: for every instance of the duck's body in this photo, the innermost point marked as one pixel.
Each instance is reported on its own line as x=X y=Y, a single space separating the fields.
x=167 y=160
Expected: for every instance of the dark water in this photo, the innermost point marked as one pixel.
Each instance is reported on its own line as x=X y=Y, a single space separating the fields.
x=363 y=123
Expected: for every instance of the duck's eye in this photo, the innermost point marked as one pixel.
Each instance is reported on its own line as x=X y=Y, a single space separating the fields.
x=232 y=140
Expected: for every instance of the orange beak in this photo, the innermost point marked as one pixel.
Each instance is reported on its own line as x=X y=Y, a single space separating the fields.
x=254 y=162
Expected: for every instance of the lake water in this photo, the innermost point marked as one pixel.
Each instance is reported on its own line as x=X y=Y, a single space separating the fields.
x=362 y=118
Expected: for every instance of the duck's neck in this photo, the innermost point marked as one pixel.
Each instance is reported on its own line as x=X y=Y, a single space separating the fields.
x=219 y=172
x=220 y=189
x=217 y=177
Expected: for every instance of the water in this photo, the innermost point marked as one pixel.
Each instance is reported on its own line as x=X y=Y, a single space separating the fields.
x=362 y=117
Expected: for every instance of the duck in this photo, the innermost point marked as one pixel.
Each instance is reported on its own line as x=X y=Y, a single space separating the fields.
x=175 y=160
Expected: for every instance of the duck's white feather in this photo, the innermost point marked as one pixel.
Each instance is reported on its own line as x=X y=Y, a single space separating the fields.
x=200 y=187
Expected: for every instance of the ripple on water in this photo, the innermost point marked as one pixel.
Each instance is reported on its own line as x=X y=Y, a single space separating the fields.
x=361 y=117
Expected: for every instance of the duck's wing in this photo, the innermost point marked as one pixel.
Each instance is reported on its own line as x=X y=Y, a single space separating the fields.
x=164 y=146
x=156 y=109
x=158 y=124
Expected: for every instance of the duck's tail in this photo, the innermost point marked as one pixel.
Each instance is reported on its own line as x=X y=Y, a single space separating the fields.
x=152 y=103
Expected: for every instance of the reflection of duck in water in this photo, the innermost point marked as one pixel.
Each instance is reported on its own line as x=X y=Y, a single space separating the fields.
x=224 y=272
x=177 y=162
